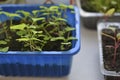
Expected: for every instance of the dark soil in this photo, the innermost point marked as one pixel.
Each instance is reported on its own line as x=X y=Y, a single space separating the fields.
x=108 y=52
x=111 y=78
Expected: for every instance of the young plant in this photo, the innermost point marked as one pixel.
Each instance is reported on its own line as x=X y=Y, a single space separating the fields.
x=116 y=39
x=29 y=36
x=5 y=31
x=10 y=16
x=25 y=16
x=60 y=29
x=41 y=29
x=4 y=42
x=109 y=13
x=101 y=5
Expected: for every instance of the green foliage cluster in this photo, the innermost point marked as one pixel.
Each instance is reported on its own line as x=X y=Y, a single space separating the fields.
x=100 y=5
x=39 y=30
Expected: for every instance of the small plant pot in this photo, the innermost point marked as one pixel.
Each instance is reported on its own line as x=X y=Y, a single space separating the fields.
x=89 y=18
x=109 y=65
x=43 y=63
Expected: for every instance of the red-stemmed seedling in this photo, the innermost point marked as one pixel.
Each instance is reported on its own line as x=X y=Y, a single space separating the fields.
x=116 y=45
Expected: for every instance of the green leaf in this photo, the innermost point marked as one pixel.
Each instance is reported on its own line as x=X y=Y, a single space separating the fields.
x=37 y=32
x=112 y=28
x=43 y=10
x=69 y=29
x=62 y=47
x=63 y=6
x=43 y=7
x=23 y=39
x=18 y=27
x=54 y=8
x=118 y=36
x=110 y=12
x=41 y=35
x=46 y=38
x=25 y=13
x=66 y=43
x=5 y=49
x=45 y=14
x=27 y=39
x=38 y=19
x=35 y=11
x=14 y=15
x=38 y=48
x=32 y=27
x=61 y=19
x=57 y=38
x=71 y=7
x=71 y=38
x=61 y=32
x=3 y=42
x=52 y=23
x=21 y=33
x=35 y=39
x=10 y=14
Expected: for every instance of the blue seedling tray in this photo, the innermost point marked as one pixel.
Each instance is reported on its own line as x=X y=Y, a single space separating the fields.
x=45 y=63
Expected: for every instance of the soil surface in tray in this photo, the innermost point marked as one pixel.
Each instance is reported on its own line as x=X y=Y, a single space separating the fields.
x=108 y=45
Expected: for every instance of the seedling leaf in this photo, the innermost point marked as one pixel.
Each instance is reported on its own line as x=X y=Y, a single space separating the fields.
x=71 y=7
x=110 y=12
x=27 y=39
x=61 y=19
x=36 y=11
x=2 y=42
x=112 y=28
x=69 y=29
x=23 y=39
x=118 y=36
x=52 y=23
x=66 y=43
x=54 y=8
x=57 y=38
x=21 y=33
x=43 y=7
x=37 y=19
x=37 y=32
x=71 y=38
x=38 y=48
x=25 y=13
x=46 y=38
x=5 y=49
x=10 y=14
x=63 y=6
x=18 y=27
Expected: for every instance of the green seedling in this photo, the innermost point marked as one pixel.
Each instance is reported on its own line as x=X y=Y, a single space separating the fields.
x=39 y=29
x=101 y=5
x=29 y=36
x=6 y=30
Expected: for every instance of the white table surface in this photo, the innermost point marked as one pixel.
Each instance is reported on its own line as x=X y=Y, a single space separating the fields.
x=85 y=64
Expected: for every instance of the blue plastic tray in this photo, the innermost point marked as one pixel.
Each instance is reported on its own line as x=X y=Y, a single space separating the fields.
x=46 y=63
